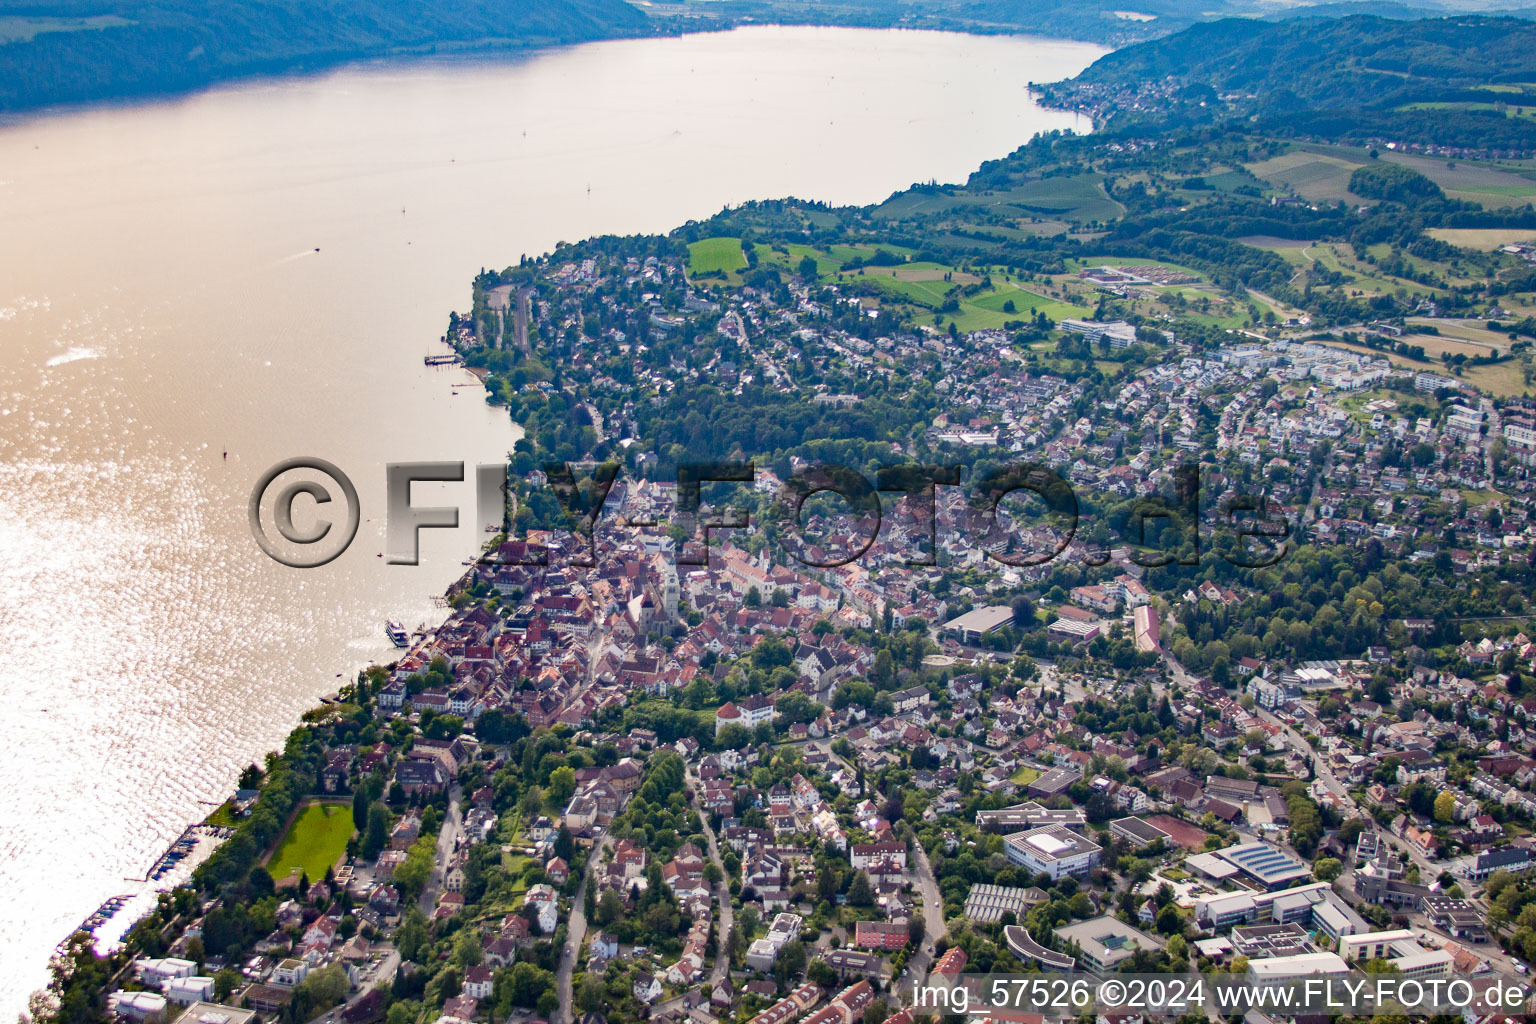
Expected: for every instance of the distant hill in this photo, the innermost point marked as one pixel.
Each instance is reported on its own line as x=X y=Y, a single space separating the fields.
x=77 y=50
x=1360 y=60
x=1456 y=79
x=1110 y=22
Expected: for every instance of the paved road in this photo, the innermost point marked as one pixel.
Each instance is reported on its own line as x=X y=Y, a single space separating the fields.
x=722 y=893
x=447 y=842
x=1428 y=869
x=575 y=933
x=1495 y=429
x=521 y=314
x=933 y=921
x=378 y=979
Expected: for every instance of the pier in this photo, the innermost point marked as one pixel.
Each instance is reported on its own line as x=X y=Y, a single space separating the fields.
x=441 y=360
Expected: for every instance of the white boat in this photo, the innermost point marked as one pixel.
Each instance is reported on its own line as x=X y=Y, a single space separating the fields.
x=396 y=633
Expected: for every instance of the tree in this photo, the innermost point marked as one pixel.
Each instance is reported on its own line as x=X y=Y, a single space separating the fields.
x=1024 y=613
x=609 y=907
x=860 y=893
x=1445 y=806
x=562 y=784
x=821 y=973
x=411 y=937
x=403 y=1012
x=791 y=961
x=376 y=833
x=412 y=873
x=795 y=706
x=224 y=984
x=260 y=883
x=592 y=994
x=320 y=991
x=360 y=808
x=1326 y=869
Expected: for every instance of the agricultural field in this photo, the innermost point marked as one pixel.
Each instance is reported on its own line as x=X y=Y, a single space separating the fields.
x=1198 y=300
x=21 y=29
x=1510 y=110
x=1477 y=338
x=1367 y=280
x=1229 y=181
x=1505 y=380
x=715 y=255
x=1287 y=248
x=1482 y=238
x=315 y=841
x=1493 y=187
x=923 y=285
x=828 y=260
x=1310 y=174
x=1131 y=262
x=1067 y=199
x=1322 y=173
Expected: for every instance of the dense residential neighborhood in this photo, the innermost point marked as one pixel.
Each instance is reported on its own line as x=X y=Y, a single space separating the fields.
x=712 y=778
x=870 y=612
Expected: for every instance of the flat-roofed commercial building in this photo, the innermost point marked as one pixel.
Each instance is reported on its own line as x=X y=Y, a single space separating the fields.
x=1054 y=782
x=1401 y=949
x=977 y=623
x=1270 y=940
x=1138 y=831
x=1052 y=850
x=988 y=903
x=1105 y=942
x=1268 y=865
x=1222 y=910
x=216 y=1013
x=1031 y=815
x=1277 y=968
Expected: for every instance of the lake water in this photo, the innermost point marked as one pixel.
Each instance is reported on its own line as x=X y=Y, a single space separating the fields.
x=259 y=270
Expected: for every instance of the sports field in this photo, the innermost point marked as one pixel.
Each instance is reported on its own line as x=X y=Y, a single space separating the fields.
x=315 y=841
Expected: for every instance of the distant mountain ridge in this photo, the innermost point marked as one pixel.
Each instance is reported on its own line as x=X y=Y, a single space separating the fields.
x=1363 y=60
x=174 y=45
x=1451 y=78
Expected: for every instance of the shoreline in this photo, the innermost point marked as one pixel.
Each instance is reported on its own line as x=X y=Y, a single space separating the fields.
x=447 y=52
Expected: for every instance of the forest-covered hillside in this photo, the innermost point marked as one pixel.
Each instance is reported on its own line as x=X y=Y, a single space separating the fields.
x=1461 y=79
x=76 y=50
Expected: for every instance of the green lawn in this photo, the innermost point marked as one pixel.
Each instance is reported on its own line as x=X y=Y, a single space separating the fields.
x=977 y=312
x=315 y=841
x=1076 y=198
x=709 y=255
x=1024 y=776
x=224 y=816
